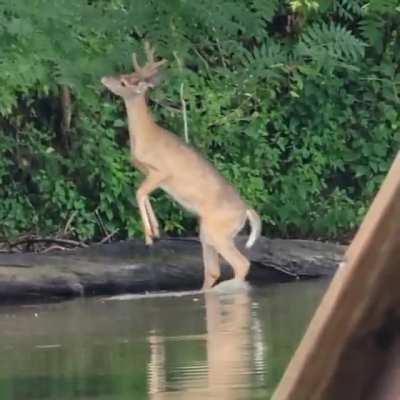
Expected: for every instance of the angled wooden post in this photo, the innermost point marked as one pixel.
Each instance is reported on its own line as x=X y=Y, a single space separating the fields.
x=351 y=349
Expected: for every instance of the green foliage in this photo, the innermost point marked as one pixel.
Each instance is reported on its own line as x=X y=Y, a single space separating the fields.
x=328 y=46
x=294 y=101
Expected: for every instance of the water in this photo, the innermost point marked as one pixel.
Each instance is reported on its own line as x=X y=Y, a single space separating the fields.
x=194 y=346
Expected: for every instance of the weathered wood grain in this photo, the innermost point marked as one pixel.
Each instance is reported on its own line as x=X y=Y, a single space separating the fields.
x=351 y=347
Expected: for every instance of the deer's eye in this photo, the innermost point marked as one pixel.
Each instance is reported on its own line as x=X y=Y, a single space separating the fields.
x=123 y=83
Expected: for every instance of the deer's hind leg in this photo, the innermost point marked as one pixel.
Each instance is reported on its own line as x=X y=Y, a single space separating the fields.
x=220 y=234
x=212 y=270
x=234 y=257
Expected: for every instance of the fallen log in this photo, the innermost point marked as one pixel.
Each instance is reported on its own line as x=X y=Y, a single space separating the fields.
x=170 y=264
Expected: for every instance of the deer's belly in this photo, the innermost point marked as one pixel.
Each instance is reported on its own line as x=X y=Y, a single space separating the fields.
x=189 y=204
x=142 y=166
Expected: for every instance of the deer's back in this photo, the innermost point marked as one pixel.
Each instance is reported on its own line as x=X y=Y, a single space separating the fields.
x=191 y=179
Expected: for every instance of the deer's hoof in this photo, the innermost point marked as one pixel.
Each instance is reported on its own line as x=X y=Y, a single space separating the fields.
x=148 y=240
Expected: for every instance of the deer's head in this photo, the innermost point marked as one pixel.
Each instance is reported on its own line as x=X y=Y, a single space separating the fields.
x=136 y=83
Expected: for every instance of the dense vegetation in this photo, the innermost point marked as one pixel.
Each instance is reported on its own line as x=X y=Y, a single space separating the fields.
x=296 y=102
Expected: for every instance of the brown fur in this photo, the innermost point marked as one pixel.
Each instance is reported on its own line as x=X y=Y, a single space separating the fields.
x=168 y=163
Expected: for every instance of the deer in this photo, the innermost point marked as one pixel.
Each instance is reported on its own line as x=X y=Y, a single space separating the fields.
x=170 y=164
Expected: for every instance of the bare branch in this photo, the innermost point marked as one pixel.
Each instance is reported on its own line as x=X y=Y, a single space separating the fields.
x=108 y=237
x=184 y=114
x=33 y=240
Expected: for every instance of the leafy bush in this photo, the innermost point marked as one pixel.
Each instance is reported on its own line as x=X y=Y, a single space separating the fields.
x=294 y=101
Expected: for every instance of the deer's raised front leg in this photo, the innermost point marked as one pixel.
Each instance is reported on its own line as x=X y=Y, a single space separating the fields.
x=153 y=220
x=150 y=223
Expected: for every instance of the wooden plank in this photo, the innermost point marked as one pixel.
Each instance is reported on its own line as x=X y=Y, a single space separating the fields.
x=348 y=351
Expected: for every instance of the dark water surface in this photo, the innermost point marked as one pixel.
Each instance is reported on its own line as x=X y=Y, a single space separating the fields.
x=193 y=346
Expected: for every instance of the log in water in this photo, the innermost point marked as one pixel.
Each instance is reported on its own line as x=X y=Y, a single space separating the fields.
x=170 y=264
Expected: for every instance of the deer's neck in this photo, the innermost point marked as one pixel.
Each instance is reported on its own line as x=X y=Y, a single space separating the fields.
x=140 y=122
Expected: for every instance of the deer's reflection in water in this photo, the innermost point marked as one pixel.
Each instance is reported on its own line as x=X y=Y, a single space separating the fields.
x=234 y=353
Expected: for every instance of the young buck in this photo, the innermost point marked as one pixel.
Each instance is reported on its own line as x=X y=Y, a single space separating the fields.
x=168 y=163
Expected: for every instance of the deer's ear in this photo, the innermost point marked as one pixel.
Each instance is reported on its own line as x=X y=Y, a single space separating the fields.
x=141 y=87
x=154 y=80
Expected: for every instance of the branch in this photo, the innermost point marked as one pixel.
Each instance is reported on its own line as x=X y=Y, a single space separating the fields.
x=66 y=115
x=183 y=102
x=108 y=237
x=66 y=242
x=184 y=114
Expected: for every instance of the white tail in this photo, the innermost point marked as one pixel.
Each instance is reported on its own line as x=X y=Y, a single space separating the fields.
x=168 y=163
x=255 y=225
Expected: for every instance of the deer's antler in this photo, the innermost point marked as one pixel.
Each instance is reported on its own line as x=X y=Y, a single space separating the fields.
x=151 y=66
x=149 y=52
